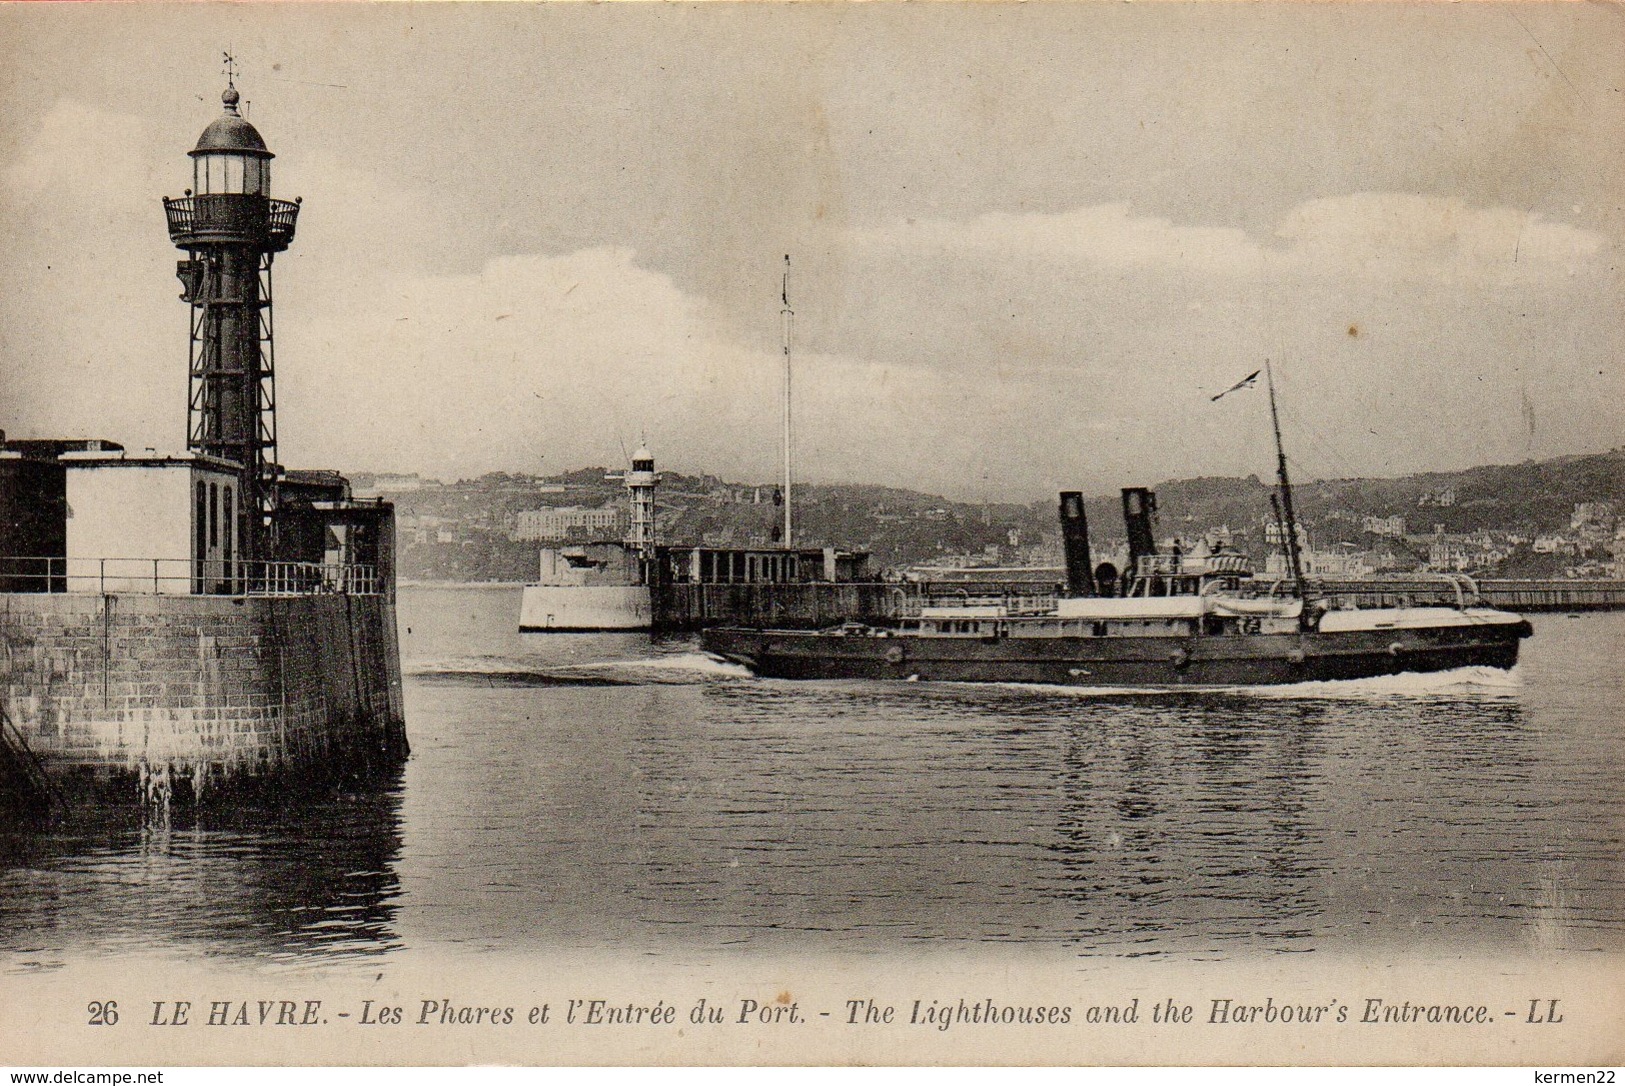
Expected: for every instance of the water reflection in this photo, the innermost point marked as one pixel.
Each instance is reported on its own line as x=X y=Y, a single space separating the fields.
x=281 y=878
x=1186 y=819
x=611 y=794
x=1168 y=823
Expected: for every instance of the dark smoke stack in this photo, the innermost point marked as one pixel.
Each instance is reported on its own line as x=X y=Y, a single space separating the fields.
x=1075 y=543
x=1139 y=513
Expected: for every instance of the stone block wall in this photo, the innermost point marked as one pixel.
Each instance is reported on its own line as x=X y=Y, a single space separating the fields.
x=201 y=690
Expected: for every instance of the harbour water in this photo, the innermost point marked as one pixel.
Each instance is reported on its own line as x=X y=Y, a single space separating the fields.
x=601 y=793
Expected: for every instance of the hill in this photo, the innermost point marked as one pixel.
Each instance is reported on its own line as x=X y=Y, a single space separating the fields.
x=468 y=530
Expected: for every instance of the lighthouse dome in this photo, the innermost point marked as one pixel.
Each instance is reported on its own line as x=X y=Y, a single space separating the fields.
x=231 y=133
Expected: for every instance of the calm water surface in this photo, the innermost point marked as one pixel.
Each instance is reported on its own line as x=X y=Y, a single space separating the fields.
x=578 y=792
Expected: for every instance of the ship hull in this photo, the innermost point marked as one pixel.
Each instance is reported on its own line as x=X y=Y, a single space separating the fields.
x=1225 y=660
x=584 y=608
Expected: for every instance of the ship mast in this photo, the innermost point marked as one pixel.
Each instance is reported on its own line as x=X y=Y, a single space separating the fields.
x=1290 y=528
x=789 y=317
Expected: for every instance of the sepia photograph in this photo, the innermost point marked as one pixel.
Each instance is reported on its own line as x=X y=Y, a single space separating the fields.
x=558 y=534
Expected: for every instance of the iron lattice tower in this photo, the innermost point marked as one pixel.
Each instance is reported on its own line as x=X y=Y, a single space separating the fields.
x=231 y=229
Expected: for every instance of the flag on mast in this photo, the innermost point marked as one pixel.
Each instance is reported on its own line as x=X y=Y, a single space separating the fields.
x=1246 y=382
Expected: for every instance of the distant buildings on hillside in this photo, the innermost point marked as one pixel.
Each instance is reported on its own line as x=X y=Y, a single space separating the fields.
x=502 y=517
x=1593 y=518
x=390 y=482
x=1443 y=498
x=1593 y=545
x=569 y=522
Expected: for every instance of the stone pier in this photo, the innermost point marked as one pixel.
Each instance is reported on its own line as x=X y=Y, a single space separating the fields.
x=147 y=695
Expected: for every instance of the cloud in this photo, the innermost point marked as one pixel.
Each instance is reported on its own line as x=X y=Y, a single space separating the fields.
x=1108 y=235
x=1396 y=235
x=88 y=317
x=97 y=156
x=1409 y=236
x=566 y=357
x=1004 y=352
x=545 y=362
x=354 y=221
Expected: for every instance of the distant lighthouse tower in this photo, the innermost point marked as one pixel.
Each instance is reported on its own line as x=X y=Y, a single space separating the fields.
x=640 y=486
x=231 y=229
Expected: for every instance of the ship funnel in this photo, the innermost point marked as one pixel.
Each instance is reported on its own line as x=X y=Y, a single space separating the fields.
x=1075 y=544
x=1139 y=518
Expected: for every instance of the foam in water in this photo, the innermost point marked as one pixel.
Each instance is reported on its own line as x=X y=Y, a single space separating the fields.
x=1096 y=691
x=521 y=667
x=1474 y=681
x=460 y=665
x=686 y=661
x=1462 y=680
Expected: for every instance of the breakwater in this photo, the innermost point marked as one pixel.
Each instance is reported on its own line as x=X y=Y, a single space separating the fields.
x=686 y=607
x=146 y=696
x=1511 y=595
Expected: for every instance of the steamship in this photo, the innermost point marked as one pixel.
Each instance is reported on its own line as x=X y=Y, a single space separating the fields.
x=1168 y=620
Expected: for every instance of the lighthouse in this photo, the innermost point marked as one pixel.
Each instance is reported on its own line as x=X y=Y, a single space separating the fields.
x=640 y=487
x=231 y=229
x=263 y=597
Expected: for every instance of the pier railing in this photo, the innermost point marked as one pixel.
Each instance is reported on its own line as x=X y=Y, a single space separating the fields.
x=186 y=577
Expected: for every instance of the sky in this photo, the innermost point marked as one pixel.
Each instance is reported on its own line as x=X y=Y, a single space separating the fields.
x=1029 y=242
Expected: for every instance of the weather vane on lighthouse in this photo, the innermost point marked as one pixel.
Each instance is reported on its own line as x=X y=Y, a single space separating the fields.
x=231 y=230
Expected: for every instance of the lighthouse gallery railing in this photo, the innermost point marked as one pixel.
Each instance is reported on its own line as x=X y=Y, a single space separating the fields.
x=198 y=218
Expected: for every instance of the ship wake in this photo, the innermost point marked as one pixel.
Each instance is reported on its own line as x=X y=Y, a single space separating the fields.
x=693 y=662
x=1457 y=682
x=507 y=671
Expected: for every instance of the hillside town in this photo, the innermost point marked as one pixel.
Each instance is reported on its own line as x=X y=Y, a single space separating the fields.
x=1552 y=519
